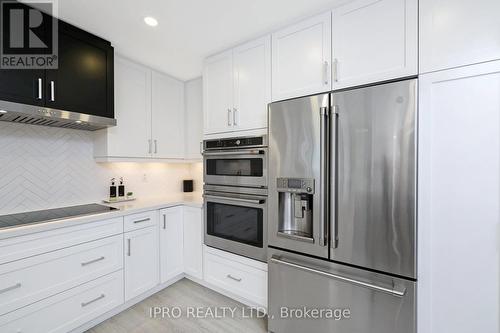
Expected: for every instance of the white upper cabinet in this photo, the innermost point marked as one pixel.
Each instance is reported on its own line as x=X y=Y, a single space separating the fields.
x=374 y=40
x=301 y=58
x=130 y=138
x=458 y=32
x=237 y=88
x=193 y=118
x=167 y=117
x=218 y=93
x=459 y=219
x=149 y=109
x=252 y=84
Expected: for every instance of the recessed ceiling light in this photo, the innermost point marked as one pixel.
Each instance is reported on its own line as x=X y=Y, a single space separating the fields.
x=151 y=21
x=3 y=111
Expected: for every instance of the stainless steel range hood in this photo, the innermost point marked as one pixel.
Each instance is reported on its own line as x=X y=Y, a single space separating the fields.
x=37 y=115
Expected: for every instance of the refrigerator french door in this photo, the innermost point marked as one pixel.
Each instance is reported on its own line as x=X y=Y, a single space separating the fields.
x=342 y=170
x=298 y=169
x=373 y=206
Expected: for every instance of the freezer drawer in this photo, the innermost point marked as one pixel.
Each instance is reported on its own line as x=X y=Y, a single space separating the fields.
x=347 y=300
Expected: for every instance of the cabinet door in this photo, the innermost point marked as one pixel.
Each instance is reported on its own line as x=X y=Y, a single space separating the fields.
x=301 y=58
x=458 y=32
x=22 y=86
x=218 y=93
x=252 y=84
x=167 y=116
x=83 y=81
x=374 y=40
x=132 y=135
x=141 y=261
x=193 y=242
x=25 y=85
x=459 y=159
x=193 y=92
x=171 y=243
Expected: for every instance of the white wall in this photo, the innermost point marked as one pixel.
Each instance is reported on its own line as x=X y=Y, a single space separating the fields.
x=44 y=167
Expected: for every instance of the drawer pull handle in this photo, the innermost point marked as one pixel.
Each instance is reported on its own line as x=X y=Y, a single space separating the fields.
x=94 y=300
x=17 y=285
x=92 y=261
x=143 y=220
x=229 y=276
x=128 y=246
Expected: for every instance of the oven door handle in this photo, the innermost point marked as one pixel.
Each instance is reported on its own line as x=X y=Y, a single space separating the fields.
x=235 y=153
x=251 y=201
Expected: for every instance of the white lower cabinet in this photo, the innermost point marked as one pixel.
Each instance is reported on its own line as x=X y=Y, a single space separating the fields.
x=35 y=278
x=68 y=310
x=171 y=243
x=242 y=277
x=141 y=261
x=193 y=242
x=61 y=280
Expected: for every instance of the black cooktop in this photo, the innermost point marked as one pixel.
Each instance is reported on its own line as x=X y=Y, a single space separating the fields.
x=14 y=220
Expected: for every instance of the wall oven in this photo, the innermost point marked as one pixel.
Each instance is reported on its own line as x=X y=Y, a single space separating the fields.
x=236 y=220
x=236 y=161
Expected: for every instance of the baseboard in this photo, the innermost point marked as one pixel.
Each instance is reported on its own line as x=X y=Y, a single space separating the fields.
x=85 y=327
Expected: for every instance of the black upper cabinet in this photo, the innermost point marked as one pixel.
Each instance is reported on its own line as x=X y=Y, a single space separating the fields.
x=24 y=86
x=83 y=82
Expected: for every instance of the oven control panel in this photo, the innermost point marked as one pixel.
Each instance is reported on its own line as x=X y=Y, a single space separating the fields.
x=295 y=185
x=233 y=143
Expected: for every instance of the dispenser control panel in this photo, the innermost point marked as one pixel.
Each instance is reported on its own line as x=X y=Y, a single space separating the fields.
x=295 y=185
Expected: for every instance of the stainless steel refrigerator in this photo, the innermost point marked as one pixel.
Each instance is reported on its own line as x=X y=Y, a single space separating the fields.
x=342 y=211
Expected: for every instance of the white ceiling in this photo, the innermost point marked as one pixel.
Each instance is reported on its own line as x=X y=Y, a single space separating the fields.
x=188 y=30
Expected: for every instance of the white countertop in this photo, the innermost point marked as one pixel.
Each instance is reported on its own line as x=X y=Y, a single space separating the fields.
x=125 y=208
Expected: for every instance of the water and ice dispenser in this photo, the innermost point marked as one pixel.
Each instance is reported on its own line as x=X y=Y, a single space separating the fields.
x=296 y=208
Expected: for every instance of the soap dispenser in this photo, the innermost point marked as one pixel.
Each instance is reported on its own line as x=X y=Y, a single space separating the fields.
x=112 y=190
x=121 y=189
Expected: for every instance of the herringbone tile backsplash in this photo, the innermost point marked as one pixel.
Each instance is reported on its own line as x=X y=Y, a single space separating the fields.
x=45 y=167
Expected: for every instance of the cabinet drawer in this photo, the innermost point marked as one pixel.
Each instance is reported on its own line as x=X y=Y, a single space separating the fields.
x=141 y=220
x=16 y=248
x=68 y=310
x=27 y=281
x=236 y=277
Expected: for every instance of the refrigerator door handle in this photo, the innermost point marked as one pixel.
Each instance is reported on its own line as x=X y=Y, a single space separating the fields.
x=333 y=174
x=323 y=186
x=397 y=291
